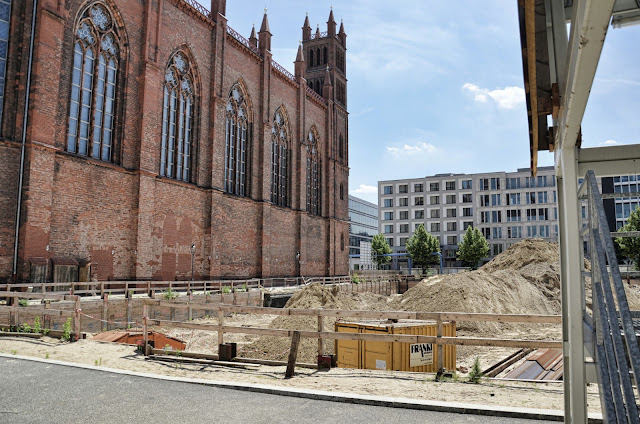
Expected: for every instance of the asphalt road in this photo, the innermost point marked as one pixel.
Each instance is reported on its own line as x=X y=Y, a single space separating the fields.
x=35 y=392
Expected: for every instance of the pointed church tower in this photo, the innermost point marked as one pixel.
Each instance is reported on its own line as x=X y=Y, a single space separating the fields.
x=342 y=35
x=299 y=63
x=253 y=39
x=327 y=87
x=306 y=29
x=264 y=40
x=331 y=24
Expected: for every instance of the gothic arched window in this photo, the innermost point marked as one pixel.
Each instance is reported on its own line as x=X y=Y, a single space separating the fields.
x=313 y=175
x=236 y=143
x=279 y=160
x=341 y=146
x=326 y=56
x=177 y=119
x=311 y=58
x=96 y=69
x=318 y=58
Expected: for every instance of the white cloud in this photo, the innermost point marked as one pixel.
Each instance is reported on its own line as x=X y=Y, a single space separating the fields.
x=366 y=189
x=417 y=148
x=506 y=98
x=610 y=143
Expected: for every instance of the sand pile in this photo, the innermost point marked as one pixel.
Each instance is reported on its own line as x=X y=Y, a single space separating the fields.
x=524 y=279
x=313 y=297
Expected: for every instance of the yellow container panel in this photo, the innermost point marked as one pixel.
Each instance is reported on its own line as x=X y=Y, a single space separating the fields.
x=376 y=355
x=348 y=351
x=402 y=351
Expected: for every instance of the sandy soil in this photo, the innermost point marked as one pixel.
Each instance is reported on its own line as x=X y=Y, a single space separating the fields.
x=370 y=382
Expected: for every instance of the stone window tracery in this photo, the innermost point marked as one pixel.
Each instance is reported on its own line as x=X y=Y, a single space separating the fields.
x=280 y=159
x=236 y=143
x=177 y=119
x=313 y=175
x=95 y=74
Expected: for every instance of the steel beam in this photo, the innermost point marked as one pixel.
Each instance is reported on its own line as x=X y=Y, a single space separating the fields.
x=589 y=24
x=610 y=161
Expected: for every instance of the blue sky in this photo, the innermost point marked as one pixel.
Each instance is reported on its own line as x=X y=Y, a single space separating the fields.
x=434 y=88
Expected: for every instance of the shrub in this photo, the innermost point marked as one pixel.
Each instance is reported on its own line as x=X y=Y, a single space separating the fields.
x=23 y=302
x=170 y=294
x=226 y=289
x=476 y=373
x=66 y=330
x=355 y=278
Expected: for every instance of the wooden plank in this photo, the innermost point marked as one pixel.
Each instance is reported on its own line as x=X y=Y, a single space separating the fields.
x=293 y=354
x=145 y=329
x=320 y=340
x=15 y=334
x=26 y=295
x=220 y=324
x=536 y=319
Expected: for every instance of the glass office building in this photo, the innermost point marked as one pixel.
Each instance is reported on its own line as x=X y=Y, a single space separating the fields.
x=363 y=225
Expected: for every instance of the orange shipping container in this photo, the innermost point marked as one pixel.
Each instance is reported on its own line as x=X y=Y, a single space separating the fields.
x=394 y=356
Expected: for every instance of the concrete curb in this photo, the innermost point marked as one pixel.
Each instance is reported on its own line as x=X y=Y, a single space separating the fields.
x=405 y=403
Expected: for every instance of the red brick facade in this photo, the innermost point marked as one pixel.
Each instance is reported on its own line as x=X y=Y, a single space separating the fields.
x=121 y=214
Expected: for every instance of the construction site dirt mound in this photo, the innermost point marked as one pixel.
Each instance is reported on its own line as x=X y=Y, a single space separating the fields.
x=519 y=255
x=315 y=296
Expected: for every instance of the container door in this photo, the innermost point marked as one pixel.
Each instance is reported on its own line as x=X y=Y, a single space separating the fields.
x=348 y=351
x=376 y=355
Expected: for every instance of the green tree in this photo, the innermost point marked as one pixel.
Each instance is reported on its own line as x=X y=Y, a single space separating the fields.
x=380 y=246
x=630 y=246
x=473 y=247
x=422 y=246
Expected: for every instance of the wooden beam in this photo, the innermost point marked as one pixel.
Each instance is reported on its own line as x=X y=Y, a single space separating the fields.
x=530 y=31
x=293 y=354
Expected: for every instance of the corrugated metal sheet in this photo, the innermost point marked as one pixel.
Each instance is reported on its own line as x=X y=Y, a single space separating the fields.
x=543 y=364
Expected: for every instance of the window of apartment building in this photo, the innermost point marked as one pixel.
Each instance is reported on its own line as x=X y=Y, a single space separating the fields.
x=513 y=199
x=497 y=232
x=434 y=213
x=484 y=200
x=418 y=201
x=532 y=214
x=418 y=188
x=403 y=241
x=555 y=213
x=404 y=214
x=542 y=181
x=532 y=231
x=483 y=184
x=435 y=227
x=496 y=216
x=387 y=189
x=531 y=197
x=544 y=231
x=404 y=228
x=555 y=197
x=419 y=214
x=486 y=233
x=467 y=198
x=450 y=185
x=497 y=249
x=403 y=201
x=485 y=217
x=584 y=212
x=530 y=182
x=450 y=253
x=542 y=197
x=495 y=183
x=513 y=183
x=451 y=199
x=495 y=200
x=543 y=214
x=416 y=225
x=451 y=240
x=514 y=215
x=467 y=211
x=467 y=224
x=403 y=188
x=388 y=203
x=388 y=229
x=434 y=200
x=390 y=241
x=451 y=226
x=434 y=187
x=467 y=185
x=451 y=213
x=514 y=232
x=388 y=216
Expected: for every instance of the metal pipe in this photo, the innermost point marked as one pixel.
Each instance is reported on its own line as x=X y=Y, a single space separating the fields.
x=25 y=119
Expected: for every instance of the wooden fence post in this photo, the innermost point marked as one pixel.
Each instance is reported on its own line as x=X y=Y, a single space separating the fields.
x=190 y=310
x=77 y=320
x=440 y=348
x=105 y=312
x=320 y=339
x=102 y=289
x=128 y=311
x=145 y=329
x=233 y=290
x=220 y=323
x=293 y=354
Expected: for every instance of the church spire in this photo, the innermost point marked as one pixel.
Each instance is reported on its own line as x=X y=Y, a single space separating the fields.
x=264 y=40
x=306 y=29
x=327 y=87
x=253 y=39
x=299 y=63
x=331 y=24
x=341 y=34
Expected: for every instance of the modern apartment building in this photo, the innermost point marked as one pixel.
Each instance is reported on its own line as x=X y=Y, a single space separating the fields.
x=363 y=225
x=619 y=208
x=505 y=206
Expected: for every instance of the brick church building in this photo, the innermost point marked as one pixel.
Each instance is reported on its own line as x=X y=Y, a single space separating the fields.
x=152 y=131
